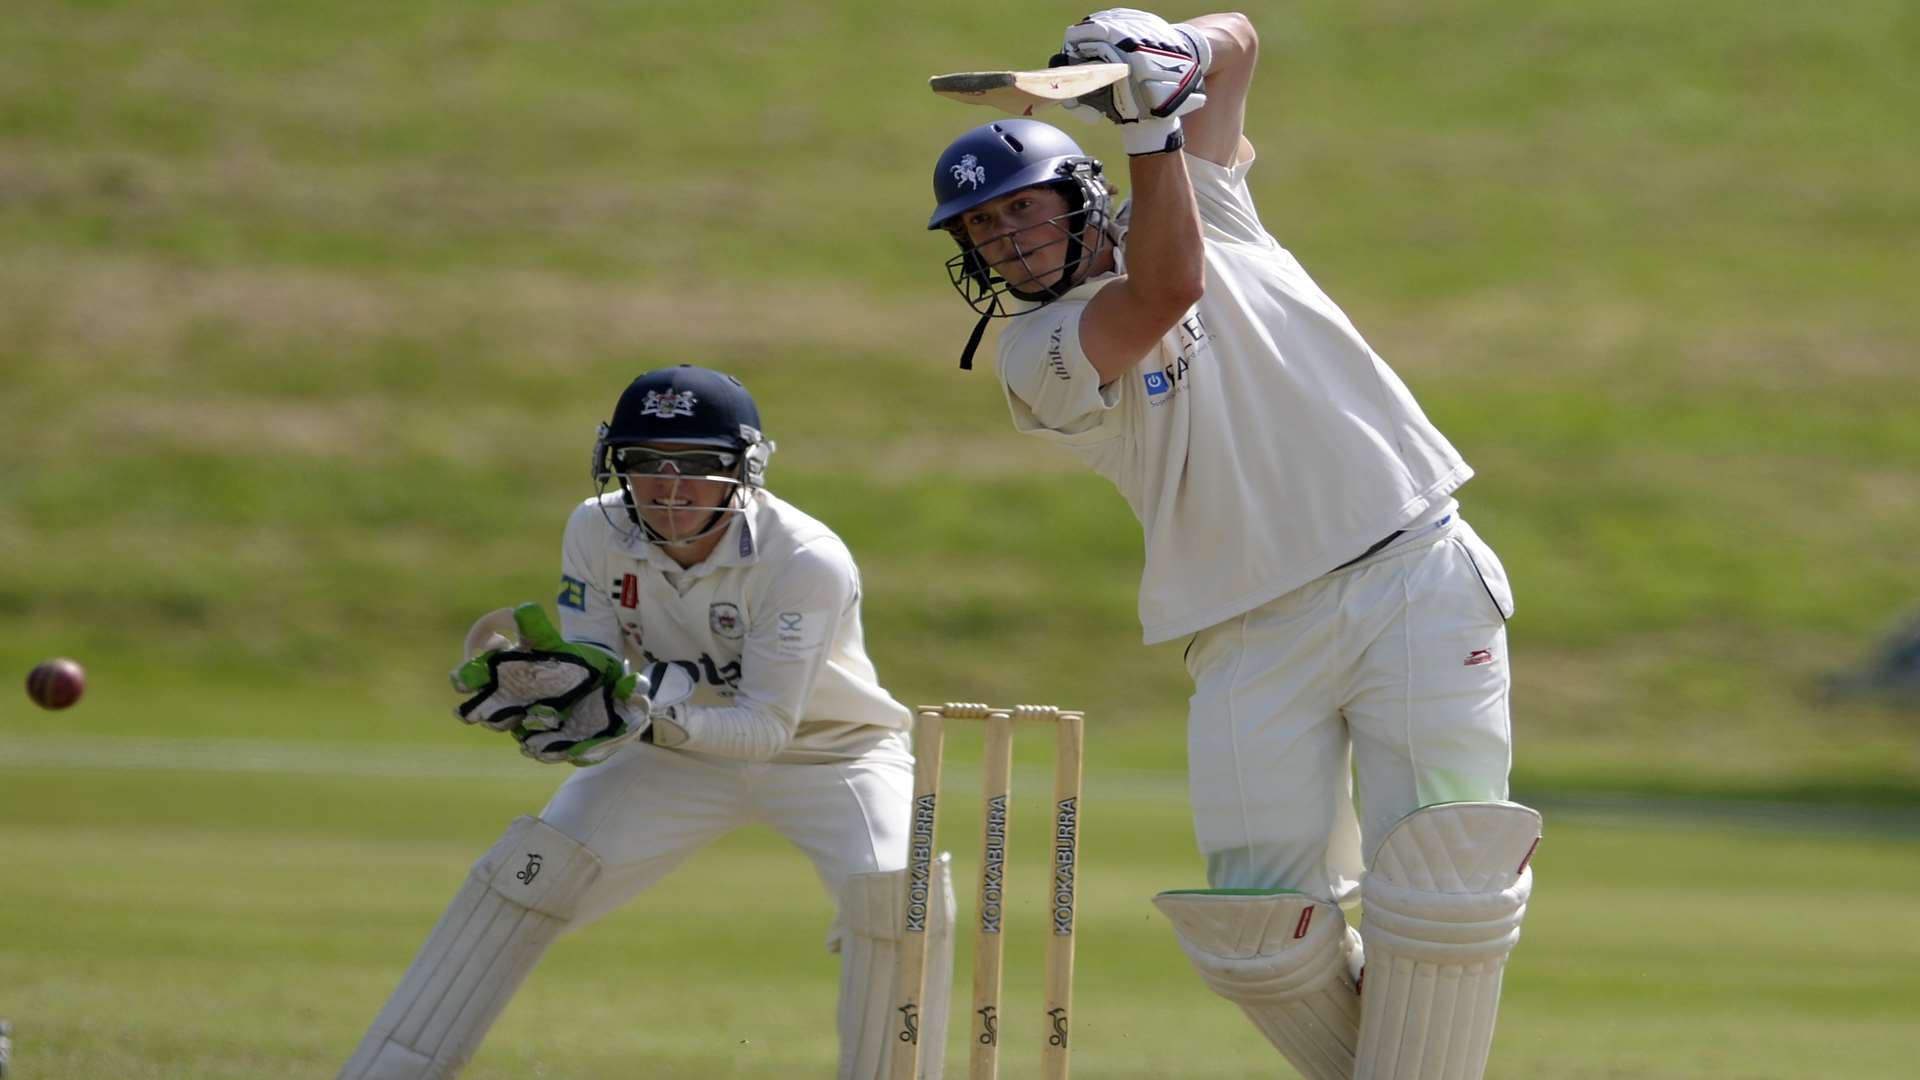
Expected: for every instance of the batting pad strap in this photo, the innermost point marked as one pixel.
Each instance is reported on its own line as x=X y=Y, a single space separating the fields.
x=1286 y=959
x=871 y=912
x=517 y=899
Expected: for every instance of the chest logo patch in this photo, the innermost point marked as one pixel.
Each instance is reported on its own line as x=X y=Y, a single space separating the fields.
x=724 y=620
x=1164 y=382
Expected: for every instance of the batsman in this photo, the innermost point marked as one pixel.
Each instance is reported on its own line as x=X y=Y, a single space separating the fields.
x=1348 y=734
x=708 y=672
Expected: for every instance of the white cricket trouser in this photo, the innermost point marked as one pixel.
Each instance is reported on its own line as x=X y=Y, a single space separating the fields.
x=1393 y=671
x=645 y=810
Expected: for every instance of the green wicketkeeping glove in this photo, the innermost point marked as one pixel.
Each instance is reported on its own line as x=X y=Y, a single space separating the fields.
x=637 y=705
x=533 y=684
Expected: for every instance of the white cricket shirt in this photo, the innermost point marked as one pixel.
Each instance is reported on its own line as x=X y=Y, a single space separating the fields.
x=769 y=627
x=1261 y=443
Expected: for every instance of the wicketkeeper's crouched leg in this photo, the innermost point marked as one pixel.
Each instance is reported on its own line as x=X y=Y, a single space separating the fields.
x=873 y=921
x=520 y=896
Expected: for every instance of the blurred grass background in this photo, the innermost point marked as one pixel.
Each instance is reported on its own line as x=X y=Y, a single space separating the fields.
x=308 y=312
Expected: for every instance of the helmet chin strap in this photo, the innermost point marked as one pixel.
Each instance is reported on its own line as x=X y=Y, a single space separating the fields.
x=973 y=341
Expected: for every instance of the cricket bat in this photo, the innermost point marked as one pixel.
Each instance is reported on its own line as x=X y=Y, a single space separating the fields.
x=1021 y=92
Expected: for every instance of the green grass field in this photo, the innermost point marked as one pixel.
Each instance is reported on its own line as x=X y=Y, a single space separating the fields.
x=308 y=311
x=245 y=918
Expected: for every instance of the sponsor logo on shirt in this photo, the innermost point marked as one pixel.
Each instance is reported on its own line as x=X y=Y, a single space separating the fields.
x=722 y=677
x=1193 y=334
x=1056 y=359
x=792 y=639
x=573 y=593
x=629 y=592
x=1163 y=383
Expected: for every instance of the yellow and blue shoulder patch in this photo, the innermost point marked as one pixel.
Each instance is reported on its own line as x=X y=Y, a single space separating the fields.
x=573 y=593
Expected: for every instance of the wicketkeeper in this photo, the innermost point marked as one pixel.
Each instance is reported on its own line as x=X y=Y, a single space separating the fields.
x=710 y=671
x=1348 y=735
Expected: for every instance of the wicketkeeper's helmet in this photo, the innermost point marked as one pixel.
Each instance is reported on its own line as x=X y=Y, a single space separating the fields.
x=997 y=159
x=692 y=407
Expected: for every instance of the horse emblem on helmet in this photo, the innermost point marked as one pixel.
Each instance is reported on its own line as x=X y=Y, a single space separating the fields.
x=970 y=172
x=668 y=405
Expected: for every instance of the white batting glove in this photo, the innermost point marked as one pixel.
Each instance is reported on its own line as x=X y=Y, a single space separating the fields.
x=1164 y=81
x=1115 y=25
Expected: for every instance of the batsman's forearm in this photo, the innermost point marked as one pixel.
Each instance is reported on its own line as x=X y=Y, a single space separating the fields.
x=1164 y=254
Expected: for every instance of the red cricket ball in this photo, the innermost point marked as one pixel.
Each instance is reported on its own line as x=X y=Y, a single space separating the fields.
x=56 y=683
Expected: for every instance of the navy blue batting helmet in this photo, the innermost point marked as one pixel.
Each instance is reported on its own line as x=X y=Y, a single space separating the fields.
x=1000 y=157
x=997 y=159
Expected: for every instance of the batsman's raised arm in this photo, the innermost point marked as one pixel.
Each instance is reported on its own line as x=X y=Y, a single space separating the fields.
x=1216 y=131
x=1186 y=89
x=1165 y=274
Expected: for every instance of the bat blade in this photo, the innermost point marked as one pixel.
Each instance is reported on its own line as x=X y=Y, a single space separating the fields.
x=1022 y=92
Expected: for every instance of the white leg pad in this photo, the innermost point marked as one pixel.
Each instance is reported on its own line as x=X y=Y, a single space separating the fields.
x=870 y=908
x=1287 y=960
x=1440 y=911
x=518 y=898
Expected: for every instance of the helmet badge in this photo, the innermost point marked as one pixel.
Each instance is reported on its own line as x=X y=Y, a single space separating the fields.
x=970 y=172
x=668 y=405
